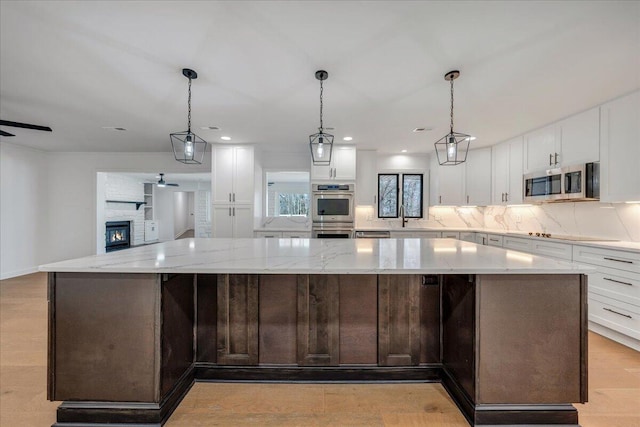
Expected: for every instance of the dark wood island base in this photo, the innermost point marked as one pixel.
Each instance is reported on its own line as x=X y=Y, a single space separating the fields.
x=125 y=348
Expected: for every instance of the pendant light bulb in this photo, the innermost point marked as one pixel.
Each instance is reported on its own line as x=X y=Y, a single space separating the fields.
x=452 y=149
x=320 y=149
x=188 y=147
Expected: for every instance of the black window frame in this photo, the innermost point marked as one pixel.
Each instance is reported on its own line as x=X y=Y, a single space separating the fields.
x=400 y=194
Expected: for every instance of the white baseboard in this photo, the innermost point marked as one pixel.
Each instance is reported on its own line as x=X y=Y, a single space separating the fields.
x=614 y=335
x=10 y=274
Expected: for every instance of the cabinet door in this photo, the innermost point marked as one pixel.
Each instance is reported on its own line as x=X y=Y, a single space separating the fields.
x=398 y=319
x=243 y=175
x=366 y=178
x=478 y=178
x=540 y=149
x=318 y=329
x=222 y=174
x=620 y=149
x=242 y=220
x=222 y=221
x=514 y=194
x=500 y=175
x=580 y=138
x=237 y=319
x=450 y=185
x=344 y=163
x=321 y=172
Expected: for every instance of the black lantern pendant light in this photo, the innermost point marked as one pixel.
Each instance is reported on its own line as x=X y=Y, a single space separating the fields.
x=452 y=148
x=187 y=146
x=321 y=143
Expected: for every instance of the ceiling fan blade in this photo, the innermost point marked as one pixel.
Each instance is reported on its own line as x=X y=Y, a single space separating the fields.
x=173 y=185
x=3 y=133
x=24 y=125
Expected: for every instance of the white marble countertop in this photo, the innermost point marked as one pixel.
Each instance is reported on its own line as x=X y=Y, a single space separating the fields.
x=299 y=256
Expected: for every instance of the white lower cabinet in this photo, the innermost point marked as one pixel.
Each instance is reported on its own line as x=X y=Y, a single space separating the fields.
x=516 y=243
x=494 y=240
x=451 y=235
x=482 y=238
x=614 y=293
x=296 y=234
x=467 y=236
x=268 y=234
x=151 y=232
x=555 y=250
x=415 y=234
x=282 y=234
x=232 y=221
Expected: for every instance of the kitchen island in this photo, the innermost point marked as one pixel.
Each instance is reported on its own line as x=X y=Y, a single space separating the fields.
x=503 y=331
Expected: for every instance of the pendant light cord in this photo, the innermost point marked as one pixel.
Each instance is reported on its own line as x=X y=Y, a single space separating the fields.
x=189 y=114
x=451 y=105
x=321 y=90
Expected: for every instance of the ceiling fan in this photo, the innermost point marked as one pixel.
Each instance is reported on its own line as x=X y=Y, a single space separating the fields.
x=21 y=125
x=163 y=183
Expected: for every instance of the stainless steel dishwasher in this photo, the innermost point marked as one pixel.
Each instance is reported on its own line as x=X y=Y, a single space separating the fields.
x=372 y=234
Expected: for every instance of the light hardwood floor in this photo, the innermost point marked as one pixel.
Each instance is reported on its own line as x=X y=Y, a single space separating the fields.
x=614 y=385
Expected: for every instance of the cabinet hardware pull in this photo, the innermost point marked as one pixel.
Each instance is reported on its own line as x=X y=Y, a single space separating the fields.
x=234 y=197
x=229 y=211
x=619 y=260
x=506 y=197
x=618 y=281
x=467 y=198
x=550 y=159
x=440 y=199
x=556 y=159
x=493 y=240
x=229 y=196
x=613 y=311
x=234 y=211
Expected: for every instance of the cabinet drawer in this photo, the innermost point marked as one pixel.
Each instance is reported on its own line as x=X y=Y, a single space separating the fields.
x=617 y=284
x=494 y=240
x=615 y=315
x=415 y=234
x=268 y=234
x=620 y=260
x=517 y=243
x=552 y=249
x=451 y=235
x=467 y=236
x=296 y=234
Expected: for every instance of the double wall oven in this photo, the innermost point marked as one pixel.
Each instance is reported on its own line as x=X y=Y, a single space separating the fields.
x=332 y=211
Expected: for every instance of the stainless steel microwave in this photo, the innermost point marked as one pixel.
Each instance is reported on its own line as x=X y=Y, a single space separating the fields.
x=332 y=203
x=569 y=183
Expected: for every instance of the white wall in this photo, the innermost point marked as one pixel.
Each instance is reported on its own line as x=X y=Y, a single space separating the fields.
x=191 y=210
x=180 y=213
x=23 y=209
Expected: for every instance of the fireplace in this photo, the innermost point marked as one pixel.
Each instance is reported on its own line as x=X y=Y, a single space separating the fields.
x=118 y=235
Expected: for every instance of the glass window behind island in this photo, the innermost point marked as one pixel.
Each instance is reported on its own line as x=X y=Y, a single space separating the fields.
x=390 y=193
x=287 y=193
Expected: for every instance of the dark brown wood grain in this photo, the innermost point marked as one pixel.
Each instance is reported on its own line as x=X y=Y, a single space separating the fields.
x=278 y=316
x=317 y=329
x=207 y=317
x=398 y=319
x=358 y=319
x=430 y=320
x=237 y=319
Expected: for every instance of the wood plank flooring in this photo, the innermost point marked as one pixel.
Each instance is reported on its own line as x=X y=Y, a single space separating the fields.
x=614 y=385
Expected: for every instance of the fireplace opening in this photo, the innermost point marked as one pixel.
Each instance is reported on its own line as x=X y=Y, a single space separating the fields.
x=118 y=235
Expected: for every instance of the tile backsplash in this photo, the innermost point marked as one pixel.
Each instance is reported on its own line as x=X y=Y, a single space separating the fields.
x=617 y=221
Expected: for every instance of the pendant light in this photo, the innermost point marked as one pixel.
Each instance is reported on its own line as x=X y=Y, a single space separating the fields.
x=321 y=143
x=452 y=148
x=188 y=147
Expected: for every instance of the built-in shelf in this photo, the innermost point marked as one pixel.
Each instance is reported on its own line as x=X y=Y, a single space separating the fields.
x=138 y=204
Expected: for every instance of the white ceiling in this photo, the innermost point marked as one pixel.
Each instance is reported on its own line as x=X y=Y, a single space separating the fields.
x=79 y=66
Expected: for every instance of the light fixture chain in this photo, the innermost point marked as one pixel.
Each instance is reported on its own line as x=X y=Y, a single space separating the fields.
x=189 y=114
x=452 y=105
x=321 y=90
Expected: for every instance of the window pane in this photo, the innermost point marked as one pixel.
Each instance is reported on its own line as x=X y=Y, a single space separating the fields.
x=293 y=204
x=387 y=195
x=287 y=193
x=412 y=195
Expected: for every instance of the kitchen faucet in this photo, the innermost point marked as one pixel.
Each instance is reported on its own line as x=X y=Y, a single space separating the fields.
x=404 y=221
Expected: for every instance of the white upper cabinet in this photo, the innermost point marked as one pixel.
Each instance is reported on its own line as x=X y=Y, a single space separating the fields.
x=507 y=172
x=366 y=177
x=580 y=138
x=446 y=184
x=571 y=141
x=478 y=178
x=233 y=174
x=620 y=149
x=342 y=167
x=542 y=149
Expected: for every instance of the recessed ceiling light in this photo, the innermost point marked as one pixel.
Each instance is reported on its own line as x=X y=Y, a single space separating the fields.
x=403 y=151
x=423 y=129
x=347 y=138
x=225 y=138
x=209 y=128
x=112 y=128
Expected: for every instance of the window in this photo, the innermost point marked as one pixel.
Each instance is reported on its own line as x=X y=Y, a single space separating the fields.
x=390 y=193
x=287 y=193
